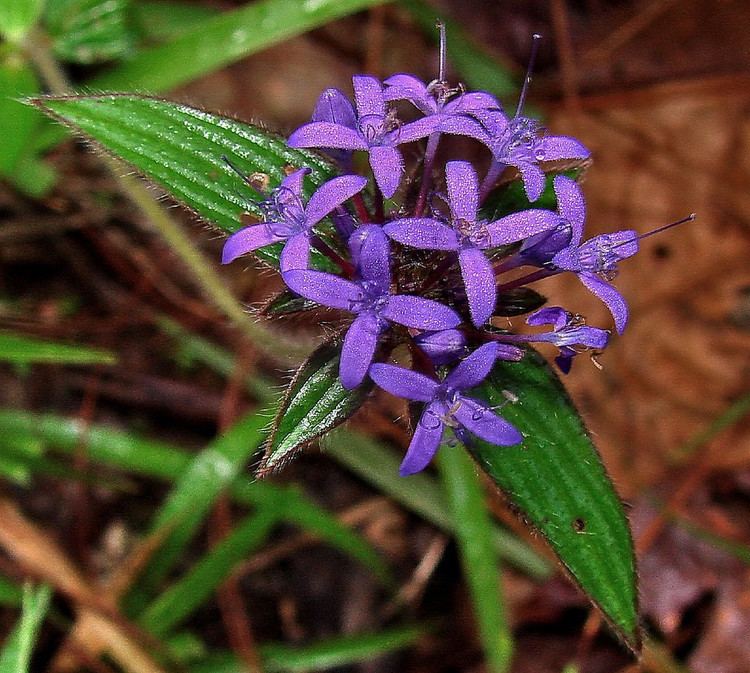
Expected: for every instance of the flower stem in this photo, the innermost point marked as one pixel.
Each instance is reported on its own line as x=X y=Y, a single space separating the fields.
x=525 y=280
x=429 y=163
x=323 y=247
x=211 y=283
x=361 y=208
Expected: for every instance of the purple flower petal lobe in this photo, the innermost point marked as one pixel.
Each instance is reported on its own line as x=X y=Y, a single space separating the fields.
x=403 y=382
x=485 y=424
x=479 y=280
x=358 y=349
x=420 y=313
x=426 y=440
x=324 y=288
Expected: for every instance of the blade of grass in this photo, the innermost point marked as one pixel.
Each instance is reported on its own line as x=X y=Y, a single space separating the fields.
x=377 y=465
x=10 y=593
x=163 y=461
x=16 y=653
x=221 y=40
x=22 y=349
x=161 y=21
x=479 y=556
x=321 y=656
x=195 y=492
x=180 y=600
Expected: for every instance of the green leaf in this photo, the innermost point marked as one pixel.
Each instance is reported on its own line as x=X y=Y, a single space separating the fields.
x=89 y=31
x=16 y=654
x=17 y=121
x=287 y=303
x=376 y=464
x=336 y=652
x=518 y=301
x=182 y=149
x=17 y=17
x=21 y=349
x=223 y=39
x=10 y=593
x=175 y=604
x=478 y=555
x=162 y=20
x=33 y=177
x=195 y=492
x=164 y=461
x=556 y=478
x=315 y=402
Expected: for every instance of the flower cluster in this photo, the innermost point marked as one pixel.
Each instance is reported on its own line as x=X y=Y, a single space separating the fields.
x=417 y=256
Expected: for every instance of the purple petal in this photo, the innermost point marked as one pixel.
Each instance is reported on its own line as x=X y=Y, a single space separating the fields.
x=333 y=106
x=552 y=148
x=463 y=190
x=327 y=134
x=419 y=313
x=332 y=194
x=550 y=315
x=485 y=424
x=324 y=288
x=368 y=96
x=533 y=179
x=624 y=243
x=408 y=87
x=568 y=259
x=358 y=350
x=494 y=122
x=510 y=353
x=387 y=167
x=296 y=253
x=247 y=239
x=472 y=101
x=374 y=256
x=460 y=125
x=404 y=383
x=474 y=369
x=571 y=205
x=479 y=280
x=423 y=233
x=521 y=225
x=293 y=183
x=415 y=130
x=443 y=346
x=610 y=296
x=426 y=440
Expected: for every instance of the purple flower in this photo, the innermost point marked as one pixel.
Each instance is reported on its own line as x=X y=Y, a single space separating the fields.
x=594 y=261
x=446 y=406
x=442 y=347
x=468 y=235
x=370 y=299
x=518 y=142
x=452 y=107
x=287 y=219
x=370 y=128
x=570 y=334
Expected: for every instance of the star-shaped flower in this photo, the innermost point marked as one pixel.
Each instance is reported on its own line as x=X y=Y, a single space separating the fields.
x=452 y=107
x=446 y=405
x=518 y=142
x=370 y=128
x=468 y=235
x=570 y=334
x=370 y=299
x=593 y=261
x=288 y=219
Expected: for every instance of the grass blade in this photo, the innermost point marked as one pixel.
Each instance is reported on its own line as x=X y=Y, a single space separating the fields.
x=221 y=40
x=16 y=653
x=178 y=602
x=320 y=656
x=479 y=556
x=23 y=350
x=163 y=461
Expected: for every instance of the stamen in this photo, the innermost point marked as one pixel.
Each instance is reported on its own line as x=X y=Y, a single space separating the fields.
x=658 y=230
x=440 y=25
x=527 y=82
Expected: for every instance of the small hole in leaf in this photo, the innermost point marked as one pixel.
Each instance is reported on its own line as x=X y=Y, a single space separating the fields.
x=579 y=525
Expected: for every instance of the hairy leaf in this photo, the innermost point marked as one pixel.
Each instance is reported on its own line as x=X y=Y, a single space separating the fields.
x=556 y=478
x=315 y=403
x=185 y=151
